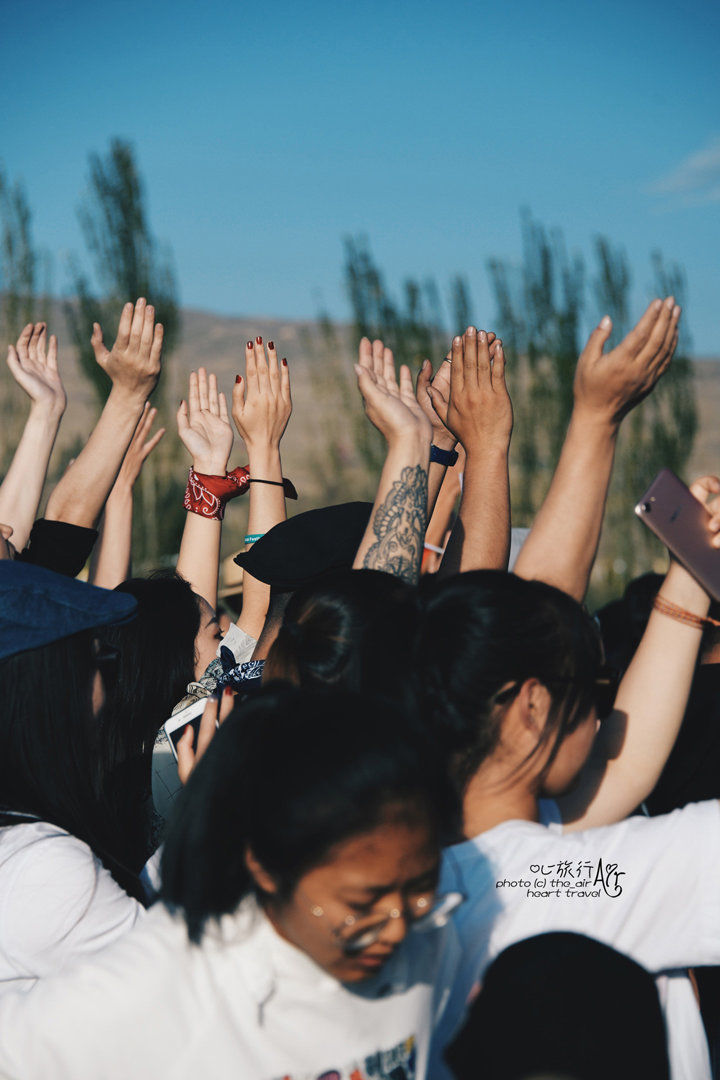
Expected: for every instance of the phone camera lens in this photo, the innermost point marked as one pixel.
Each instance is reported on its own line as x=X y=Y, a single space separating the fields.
x=645 y=507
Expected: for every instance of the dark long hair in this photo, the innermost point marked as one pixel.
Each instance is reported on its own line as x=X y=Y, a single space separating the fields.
x=352 y=631
x=156 y=663
x=290 y=774
x=484 y=629
x=50 y=750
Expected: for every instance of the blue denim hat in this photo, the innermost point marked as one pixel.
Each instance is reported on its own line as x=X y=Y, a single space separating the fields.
x=38 y=606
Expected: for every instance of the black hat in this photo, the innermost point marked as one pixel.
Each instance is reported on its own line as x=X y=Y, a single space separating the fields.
x=305 y=547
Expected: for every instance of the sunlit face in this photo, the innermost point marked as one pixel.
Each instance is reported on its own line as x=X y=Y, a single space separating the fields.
x=387 y=873
x=571 y=756
x=208 y=638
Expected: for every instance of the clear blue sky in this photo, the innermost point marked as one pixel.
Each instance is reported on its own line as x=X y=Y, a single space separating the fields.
x=268 y=131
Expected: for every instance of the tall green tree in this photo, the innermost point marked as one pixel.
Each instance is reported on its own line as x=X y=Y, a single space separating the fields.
x=126 y=260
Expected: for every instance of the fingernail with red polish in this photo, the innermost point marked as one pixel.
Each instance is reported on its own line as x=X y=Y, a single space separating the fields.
x=271 y=344
x=228 y=690
x=249 y=344
x=284 y=362
x=238 y=378
x=258 y=340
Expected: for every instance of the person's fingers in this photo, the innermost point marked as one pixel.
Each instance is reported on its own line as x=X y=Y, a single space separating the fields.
x=261 y=365
x=193 y=402
x=367 y=381
x=425 y=375
x=52 y=353
x=238 y=396
x=148 y=329
x=365 y=353
x=202 y=386
x=23 y=341
x=704 y=486
x=13 y=362
x=227 y=705
x=212 y=387
x=439 y=402
x=273 y=366
x=143 y=425
x=388 y=371
x=98 y=345
x=666 y=349
x=157 y=344
x=598 y=339
x=222 y=406
x=136 y=326
x=208 y=727
x=182 y=417
x=378 y=349
x=653 y=345
x=124 y=326
x=185 y=754
x=251 y=375
x=498 y=367
x=483 y=359
x=634 y=341
x=457 y=374
x=494 y=346
x=470 y=356
x=36 y=348
x=406 y=384
x=285 y=381
x=152 y=443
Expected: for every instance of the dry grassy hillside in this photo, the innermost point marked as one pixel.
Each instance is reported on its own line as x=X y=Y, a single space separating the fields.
x=217 y=342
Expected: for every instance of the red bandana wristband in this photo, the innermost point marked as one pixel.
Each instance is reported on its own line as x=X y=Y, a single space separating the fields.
x=206 y=495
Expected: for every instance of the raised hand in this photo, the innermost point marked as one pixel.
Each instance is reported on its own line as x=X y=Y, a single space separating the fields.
x=204 y=426
x=33 y=365
x=611 y=384
x=478 y=411
x=141 y=446
x=391 y=407
x=133 y=363
x=261 y=403
x=440 y=382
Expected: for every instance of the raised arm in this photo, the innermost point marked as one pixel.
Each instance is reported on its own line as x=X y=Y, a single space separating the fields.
x=261 y=410
x=479 y=413
x=206 y=432
x=110 y=563
x=635 y=741
x=133 y=366
x=564 y=538
x=394 y=536
x=34 y=368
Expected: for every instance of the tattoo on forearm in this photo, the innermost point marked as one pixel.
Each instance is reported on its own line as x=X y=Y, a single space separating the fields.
x=399 y=525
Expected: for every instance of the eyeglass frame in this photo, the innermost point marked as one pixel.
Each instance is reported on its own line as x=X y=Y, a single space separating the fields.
x=443 y=905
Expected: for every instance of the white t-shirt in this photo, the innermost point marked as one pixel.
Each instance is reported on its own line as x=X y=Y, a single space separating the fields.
x=58 y=904
x=649 y=887
x=245 y=1003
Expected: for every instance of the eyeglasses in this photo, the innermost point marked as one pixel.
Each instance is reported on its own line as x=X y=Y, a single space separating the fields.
x=355 y=934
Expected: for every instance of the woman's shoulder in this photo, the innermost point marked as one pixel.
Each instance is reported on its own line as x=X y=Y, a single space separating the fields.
x=57 y=901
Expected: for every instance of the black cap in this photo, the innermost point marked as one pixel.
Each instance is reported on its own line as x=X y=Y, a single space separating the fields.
x=304 y=548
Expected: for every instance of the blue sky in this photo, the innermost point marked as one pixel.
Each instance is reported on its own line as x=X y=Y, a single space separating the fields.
x=267 y=132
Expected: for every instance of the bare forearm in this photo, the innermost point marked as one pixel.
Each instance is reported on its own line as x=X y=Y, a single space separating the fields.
x=81 y=494
x=199 y=558
x=111 y=559
x=480 y=539
x=635 y=741
x=563 y=541
x=21 y=489
x=394 y=537
x=267 y=509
